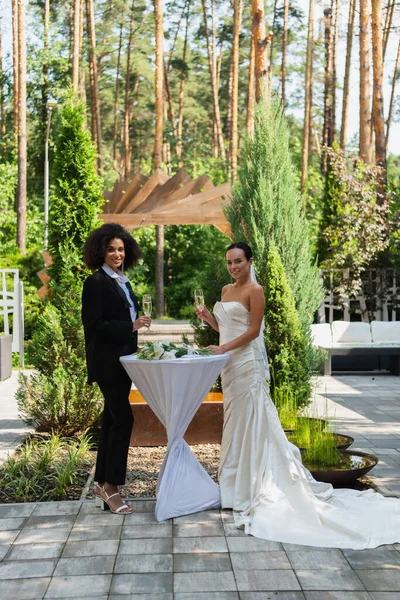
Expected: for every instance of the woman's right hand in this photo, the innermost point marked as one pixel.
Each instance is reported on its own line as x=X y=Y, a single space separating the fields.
x=142 y=321
x=203 y=313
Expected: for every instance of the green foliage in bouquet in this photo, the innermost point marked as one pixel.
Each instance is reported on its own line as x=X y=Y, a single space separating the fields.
x=166 y=350
x=290 y=350
x=57 y=396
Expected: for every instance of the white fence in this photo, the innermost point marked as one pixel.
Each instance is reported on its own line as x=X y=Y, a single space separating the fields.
x=12 y=309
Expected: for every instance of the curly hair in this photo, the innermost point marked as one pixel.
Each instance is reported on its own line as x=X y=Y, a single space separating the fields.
x=95 y=246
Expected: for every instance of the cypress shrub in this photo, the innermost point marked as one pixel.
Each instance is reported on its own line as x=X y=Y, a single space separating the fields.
x=57 y=396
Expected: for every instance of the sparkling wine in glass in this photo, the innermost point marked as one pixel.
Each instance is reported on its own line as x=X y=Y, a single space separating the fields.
x=199 y=301
x=146 y=303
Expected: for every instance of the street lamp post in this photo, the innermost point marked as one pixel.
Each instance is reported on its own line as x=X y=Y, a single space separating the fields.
x=50 y=107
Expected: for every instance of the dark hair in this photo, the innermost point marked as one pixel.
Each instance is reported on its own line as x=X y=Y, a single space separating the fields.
x=95 y=246
x=242 y=246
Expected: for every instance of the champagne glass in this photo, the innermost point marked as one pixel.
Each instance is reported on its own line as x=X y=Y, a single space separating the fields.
x=199 y=301
x=146 y=302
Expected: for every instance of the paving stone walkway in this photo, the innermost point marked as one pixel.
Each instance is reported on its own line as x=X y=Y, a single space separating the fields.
x=73 y=550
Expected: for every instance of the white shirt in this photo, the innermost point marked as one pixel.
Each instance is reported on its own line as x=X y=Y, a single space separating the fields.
x=122 y=280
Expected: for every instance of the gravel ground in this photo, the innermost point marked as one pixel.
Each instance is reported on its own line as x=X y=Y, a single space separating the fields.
x=144 y=464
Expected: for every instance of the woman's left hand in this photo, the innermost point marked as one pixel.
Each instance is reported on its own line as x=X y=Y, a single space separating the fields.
x=216 y=349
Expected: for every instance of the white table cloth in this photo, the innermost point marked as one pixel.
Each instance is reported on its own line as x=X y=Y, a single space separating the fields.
x=174 y=390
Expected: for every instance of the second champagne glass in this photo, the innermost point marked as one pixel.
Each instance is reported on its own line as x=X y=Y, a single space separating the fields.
x=199 y=301
x=146 y=303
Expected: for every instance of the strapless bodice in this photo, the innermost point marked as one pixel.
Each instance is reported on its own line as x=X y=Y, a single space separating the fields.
x=233 y=319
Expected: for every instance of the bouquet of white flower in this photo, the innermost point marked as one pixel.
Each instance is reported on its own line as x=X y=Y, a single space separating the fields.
x=164 y=350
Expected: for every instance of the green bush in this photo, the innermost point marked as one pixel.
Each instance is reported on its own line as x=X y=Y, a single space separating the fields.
x=290 y=350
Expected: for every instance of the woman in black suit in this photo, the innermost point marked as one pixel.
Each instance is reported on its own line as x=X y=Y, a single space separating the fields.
x=110 y=318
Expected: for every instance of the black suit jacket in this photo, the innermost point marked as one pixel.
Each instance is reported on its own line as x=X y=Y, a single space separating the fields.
x=108 y=326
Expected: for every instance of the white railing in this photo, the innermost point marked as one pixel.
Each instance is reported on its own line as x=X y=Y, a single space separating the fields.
x=12 y=309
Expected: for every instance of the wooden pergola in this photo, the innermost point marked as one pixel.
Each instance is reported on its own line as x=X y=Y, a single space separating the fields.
x=163 y=200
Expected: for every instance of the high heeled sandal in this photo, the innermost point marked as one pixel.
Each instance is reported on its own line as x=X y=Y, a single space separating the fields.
x=105 y=505
x=98 y=498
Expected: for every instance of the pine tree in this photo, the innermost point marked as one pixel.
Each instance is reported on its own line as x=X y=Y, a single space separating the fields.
x=266 y=206
x=289 y=349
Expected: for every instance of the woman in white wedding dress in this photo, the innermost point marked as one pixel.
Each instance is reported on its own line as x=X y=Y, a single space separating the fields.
x=261 y=474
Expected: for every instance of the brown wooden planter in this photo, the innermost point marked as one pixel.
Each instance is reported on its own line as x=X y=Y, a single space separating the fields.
x=205 y=428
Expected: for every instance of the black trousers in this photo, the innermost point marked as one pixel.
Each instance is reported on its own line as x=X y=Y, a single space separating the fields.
x=116 y=430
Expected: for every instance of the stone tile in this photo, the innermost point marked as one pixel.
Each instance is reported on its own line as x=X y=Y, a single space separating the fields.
x=33 y=536
x=23 y=589
x=337 y=595
x=320 y=558
x=146 y=546
x=141 y=583
x=272 y=580
x=207 y=596
x=252 y=544
x=329 y=579
x=93 y=532
x=85 y=565
x=45 y=509
x=146 y=563
x=380 y=580
x=378 y=558
x=199 y=544
x=143 y=505
x=100 y=518
x=8 y=511
x=202 y=562
x=384 y=595
x=7 y=537
x=198 y=530
x=15 y=523
x=3 y=551
x=231 y=530
x=272 y=596
x=46 y=522
x=162 y=596
x=204 y=516
x=215 y=581
x=89 y=507
x=147 y=531
x=297 y=548
x=252 y=561
x=35 y=551
x=90 y=548
x=21 y=569
x=82 y=585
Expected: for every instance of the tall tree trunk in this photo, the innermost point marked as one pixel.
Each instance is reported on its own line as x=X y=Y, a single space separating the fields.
x=170 y=106
x=228 y=128
x=21 y=189
x=308 y=95
x=365 y=114
x=116 y=100
x=261 y=42
x=94 y=82
x=45 y=68
x=391 y=104
x=182 y=87
x=2 y=107
x=213 y=75
x=346 y=84
x=14 y=4
x=271 y=49
x=335 y=4
x=388 y=24
x=126 y=150
x=377 y=100
x=251 y=90
x=237 y=23
x=82 y=71
x=158 y=139
x=284 y=46
x=76 y=46
x=327 y=130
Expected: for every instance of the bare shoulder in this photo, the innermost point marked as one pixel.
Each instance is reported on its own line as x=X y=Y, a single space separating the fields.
x=256 y=293
x=225 y=288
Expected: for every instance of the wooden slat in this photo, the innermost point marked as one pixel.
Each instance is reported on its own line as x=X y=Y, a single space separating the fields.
x=172 y=185
x=157 y=179
x=135 y=185
x=133 y=221
x=207 y=198
x=119 y=187
x=200 y=184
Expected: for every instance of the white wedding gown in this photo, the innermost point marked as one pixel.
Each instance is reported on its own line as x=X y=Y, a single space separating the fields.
x=261 y=474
